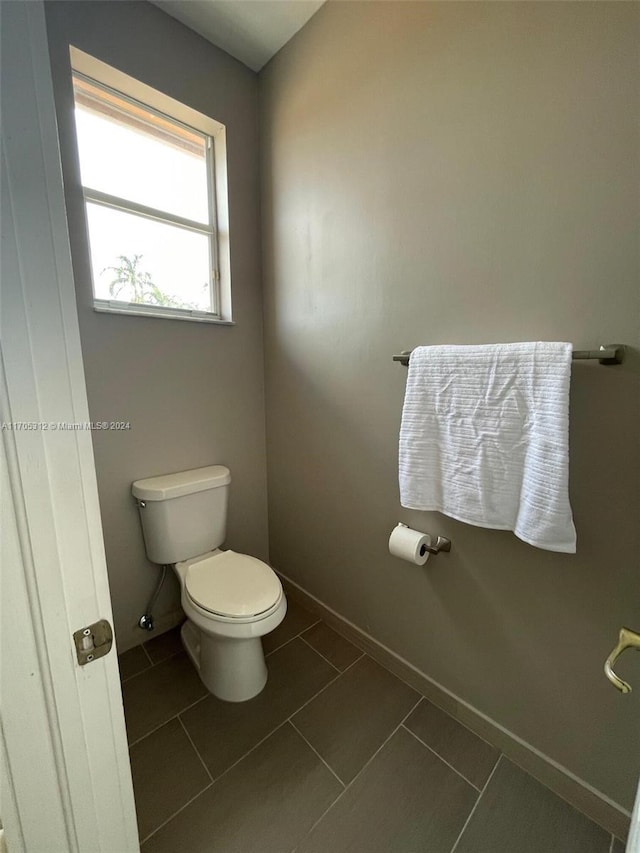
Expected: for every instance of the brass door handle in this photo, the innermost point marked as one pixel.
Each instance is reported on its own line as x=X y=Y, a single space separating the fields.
x=627 y=639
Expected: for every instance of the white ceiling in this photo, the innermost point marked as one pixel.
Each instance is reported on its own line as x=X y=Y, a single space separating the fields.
x=251 y=30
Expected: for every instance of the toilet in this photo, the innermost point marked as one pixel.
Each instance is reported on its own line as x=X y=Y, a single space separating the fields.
x=230 y=600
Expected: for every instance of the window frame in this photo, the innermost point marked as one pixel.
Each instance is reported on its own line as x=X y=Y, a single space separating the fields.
x=213 y=133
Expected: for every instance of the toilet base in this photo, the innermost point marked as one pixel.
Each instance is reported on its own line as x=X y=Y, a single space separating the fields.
x=231 y=669
x=190 y=637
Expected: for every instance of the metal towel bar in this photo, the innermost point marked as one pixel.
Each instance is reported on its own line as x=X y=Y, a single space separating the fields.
x=609 y=354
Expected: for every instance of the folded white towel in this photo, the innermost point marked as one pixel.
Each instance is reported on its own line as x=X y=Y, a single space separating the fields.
x=485 y=438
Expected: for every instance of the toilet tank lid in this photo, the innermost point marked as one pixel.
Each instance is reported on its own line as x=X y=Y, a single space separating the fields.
x=181 y=483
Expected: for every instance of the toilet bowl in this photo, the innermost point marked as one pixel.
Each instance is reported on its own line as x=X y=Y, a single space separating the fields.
x=230 y=600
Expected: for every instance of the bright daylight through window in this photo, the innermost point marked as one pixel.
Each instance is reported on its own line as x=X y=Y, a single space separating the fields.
x=149 y=191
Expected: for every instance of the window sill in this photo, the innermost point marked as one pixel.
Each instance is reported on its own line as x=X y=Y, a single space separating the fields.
x=158 y=312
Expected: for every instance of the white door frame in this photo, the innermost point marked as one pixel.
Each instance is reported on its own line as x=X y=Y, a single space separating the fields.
x=66 y=779
x=66 y=785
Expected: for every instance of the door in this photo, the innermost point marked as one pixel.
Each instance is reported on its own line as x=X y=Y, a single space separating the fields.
x=633 y=844
x=627 y=639
x=66 y=783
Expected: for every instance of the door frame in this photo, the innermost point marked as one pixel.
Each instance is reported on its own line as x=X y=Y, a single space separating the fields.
x=66 y=782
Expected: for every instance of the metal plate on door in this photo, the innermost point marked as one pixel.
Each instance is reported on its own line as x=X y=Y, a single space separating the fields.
x=93 y=642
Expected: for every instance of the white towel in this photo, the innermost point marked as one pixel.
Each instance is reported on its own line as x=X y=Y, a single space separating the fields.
x=485 y=438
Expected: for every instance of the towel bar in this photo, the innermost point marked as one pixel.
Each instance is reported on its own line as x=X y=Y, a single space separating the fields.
x=609 y=354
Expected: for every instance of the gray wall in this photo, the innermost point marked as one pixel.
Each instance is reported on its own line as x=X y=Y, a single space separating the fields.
x=459 y=173
x=194 y=393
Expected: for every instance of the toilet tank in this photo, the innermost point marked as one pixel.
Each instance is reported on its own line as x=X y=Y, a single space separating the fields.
x=184 y=514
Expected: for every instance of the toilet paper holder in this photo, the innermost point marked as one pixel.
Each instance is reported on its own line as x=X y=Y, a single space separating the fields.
x=441 y=543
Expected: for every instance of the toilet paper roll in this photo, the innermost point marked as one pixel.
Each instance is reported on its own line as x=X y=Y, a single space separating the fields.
x=409 y=544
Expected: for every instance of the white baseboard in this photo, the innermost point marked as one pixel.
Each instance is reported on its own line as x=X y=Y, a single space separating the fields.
x=591 y=802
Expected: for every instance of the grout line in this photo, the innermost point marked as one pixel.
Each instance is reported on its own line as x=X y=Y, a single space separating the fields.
x=449 y=714
x=277 y=648
x=357 y=648
x=147 y=654
x=286 y=642
x=611 y=845
x=255 y=746
x=268 y=735
x=444 y=761
x=151 y=663
x=164 y=723
x=364 y=767
x=304 y=704
x=293 y=725
x=319 y=621
x=453 y=717
x=475 y=805
x=248 y=752
x=279 y=725
x=330 y=806
x=169 y=657
x=272 y=731
x=307 y=643
x=400 y=724
x=217 y=778
x=195 y=748
x=322 y=689
x=182 y=808
x=289 y=720
x=135 y=675
x=535 y=763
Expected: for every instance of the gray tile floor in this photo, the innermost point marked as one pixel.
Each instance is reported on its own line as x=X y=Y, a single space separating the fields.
x=336 y=755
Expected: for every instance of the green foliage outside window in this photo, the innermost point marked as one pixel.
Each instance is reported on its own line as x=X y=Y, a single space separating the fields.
x=133 y=284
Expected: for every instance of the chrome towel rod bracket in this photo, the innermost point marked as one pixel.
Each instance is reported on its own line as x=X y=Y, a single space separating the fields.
x=609 y=354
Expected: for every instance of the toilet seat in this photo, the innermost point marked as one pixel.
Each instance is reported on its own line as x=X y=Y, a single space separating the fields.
x=232 y=586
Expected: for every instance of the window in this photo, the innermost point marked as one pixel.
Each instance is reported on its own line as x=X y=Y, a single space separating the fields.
x=150 y=191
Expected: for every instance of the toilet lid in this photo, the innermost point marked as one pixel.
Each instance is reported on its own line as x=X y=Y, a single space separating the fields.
x=233 y=584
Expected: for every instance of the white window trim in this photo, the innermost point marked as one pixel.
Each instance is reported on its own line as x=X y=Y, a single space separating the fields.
x=93 y=68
